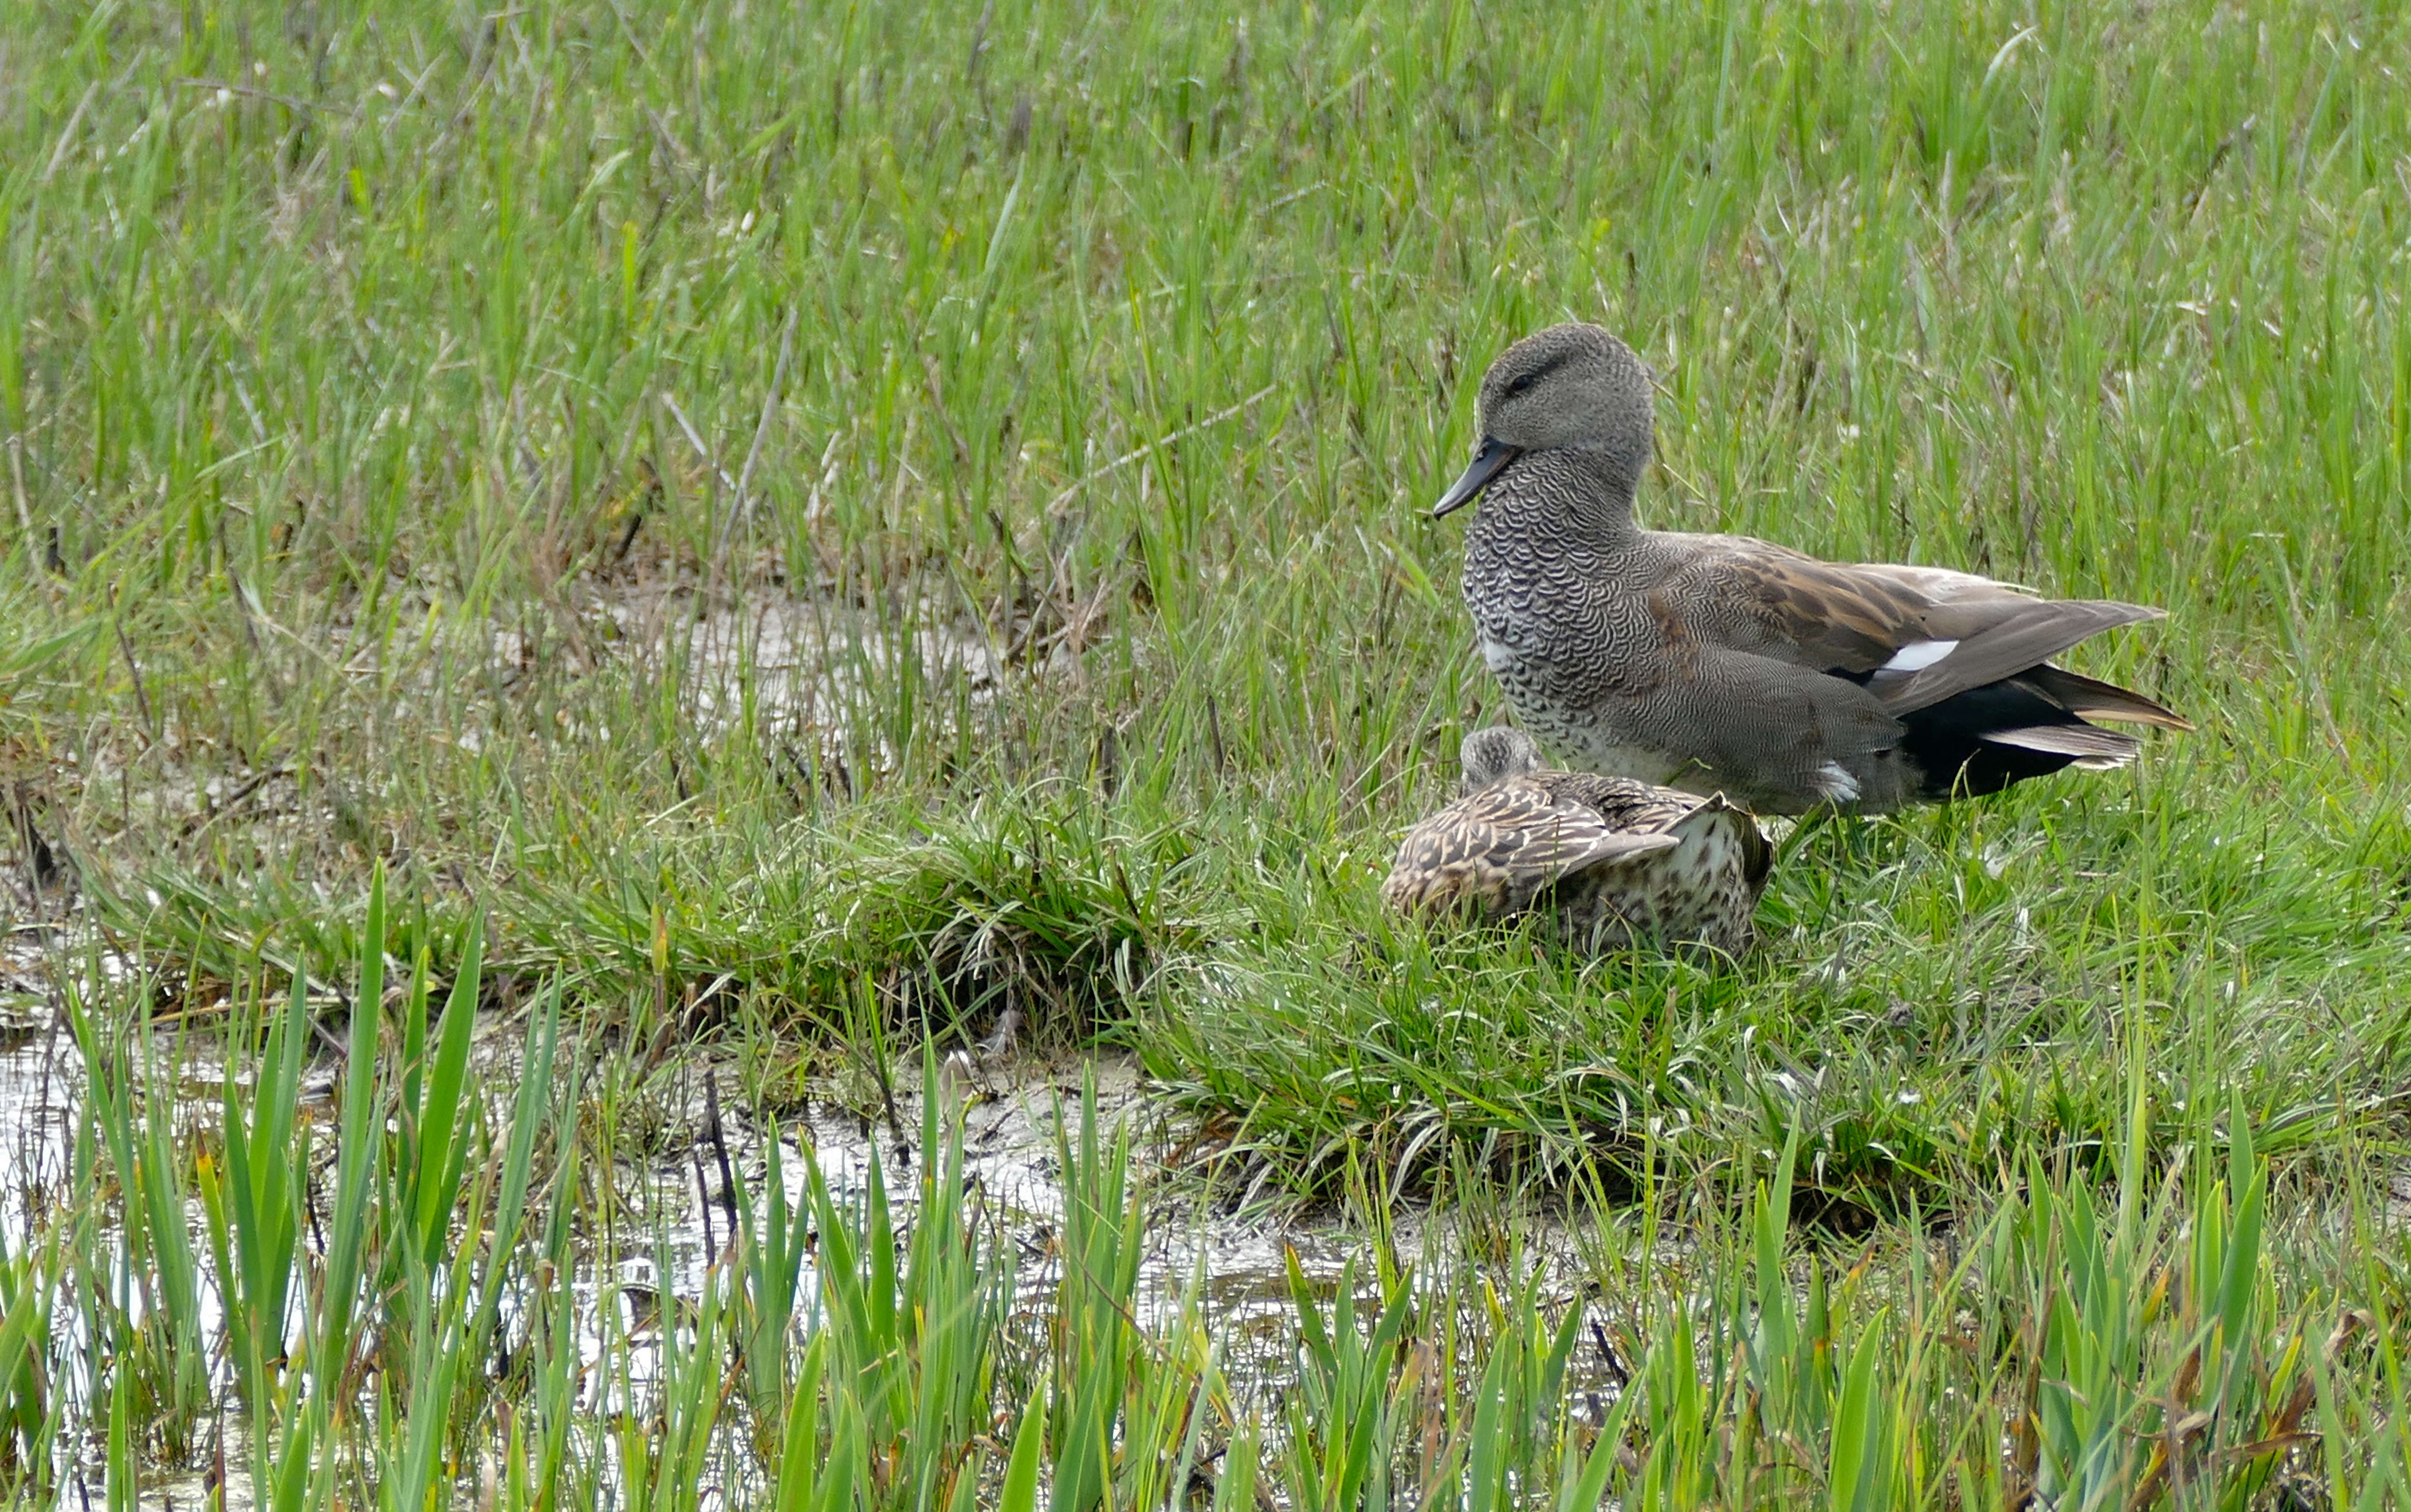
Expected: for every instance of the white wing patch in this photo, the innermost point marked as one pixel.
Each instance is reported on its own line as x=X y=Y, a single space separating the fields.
x=1919 y=656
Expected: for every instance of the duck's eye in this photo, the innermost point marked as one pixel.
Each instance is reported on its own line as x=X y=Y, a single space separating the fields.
x=1520 y=383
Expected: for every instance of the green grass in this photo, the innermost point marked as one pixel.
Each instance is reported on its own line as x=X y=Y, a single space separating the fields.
x=2183 y=1334
x=429 y=433
x=350 y=369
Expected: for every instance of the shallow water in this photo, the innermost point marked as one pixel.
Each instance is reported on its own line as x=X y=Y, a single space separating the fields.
x=39 y=1074
x=677 y=1224
x=672 y=1223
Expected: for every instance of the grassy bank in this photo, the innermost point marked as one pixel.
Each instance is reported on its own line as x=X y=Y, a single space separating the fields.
x=810 y=527
x=799 y=510
x=325 y=1341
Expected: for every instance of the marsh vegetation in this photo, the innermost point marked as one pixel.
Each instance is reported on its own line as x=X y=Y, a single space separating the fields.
x=591 y=590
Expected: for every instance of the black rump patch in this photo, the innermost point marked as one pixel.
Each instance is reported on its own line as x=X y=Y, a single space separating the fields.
x=1947 y=742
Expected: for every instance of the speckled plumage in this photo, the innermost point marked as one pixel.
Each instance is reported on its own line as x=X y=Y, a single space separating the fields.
x=1724 y=663
x=1614 y=862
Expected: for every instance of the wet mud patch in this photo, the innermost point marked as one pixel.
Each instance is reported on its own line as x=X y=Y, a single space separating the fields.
x=648 y=1200
x=678 y=1212
x=824 y=670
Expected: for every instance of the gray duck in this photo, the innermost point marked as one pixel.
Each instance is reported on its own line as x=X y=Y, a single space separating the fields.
x=1720 y=664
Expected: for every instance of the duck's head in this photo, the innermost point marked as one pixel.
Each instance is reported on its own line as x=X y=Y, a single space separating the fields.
x=1495 y=751
x=1570 y=386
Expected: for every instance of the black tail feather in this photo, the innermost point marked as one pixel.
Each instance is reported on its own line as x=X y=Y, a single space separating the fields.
x=1946 y=741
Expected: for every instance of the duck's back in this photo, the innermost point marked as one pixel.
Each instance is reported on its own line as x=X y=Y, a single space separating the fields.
x=1614 y=861
x=1704 y=891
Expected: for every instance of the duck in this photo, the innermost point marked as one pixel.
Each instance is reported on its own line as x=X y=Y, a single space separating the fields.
x=1613 y=862
x=1727 y=664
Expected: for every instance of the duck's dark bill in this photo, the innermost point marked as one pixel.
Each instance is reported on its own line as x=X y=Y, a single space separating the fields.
x=1476 y=478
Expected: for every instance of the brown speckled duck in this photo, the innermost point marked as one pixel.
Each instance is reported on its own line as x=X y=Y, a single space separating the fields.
x=1616 y=862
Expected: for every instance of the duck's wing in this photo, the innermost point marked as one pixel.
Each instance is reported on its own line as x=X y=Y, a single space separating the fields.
x=1755 y=596
x=1715 y=814
x=1988 y=641
x=1915 y=635
x=2090 y=698
x=1623 y=804
x=1646 y=809
x=1500 y=845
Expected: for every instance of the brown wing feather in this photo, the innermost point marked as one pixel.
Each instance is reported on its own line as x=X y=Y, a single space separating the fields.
x=1643 y=807
x=2090 y=698
x=1623 y=804
x=1758 y=853
x=1857 y=617
x=1812 y=613
x=1944 y=585
x=2002 y=638
x=1500 y=845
